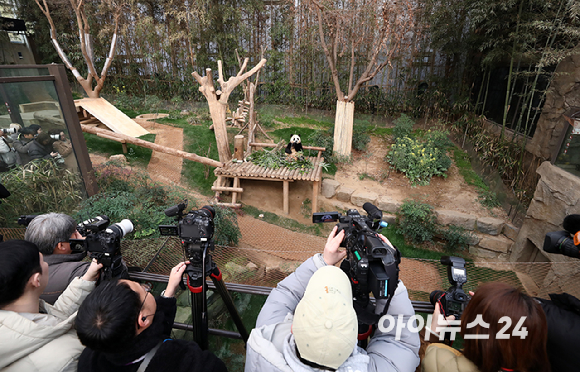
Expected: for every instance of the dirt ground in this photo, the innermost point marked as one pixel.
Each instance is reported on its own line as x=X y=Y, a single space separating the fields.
x=451 y=193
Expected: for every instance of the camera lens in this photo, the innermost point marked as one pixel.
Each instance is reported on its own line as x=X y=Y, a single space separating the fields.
x=122 y=228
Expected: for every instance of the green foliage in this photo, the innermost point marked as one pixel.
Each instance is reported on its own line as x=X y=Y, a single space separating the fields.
x=416 y=221
x=486 y=197
x=407 y=250
x=39 y=187
x=227 y=231
x=403 y=126
x=277 y=159
x=131 y=194
x=456 y=238
x=360 y=139
x=305 y=121
x=419 y=160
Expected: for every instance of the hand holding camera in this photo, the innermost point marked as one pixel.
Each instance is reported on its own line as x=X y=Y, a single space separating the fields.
x=175 y=278
x=93 y=272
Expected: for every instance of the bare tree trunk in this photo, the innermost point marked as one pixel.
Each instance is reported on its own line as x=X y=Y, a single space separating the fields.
x=218 y=101
x=343 y=126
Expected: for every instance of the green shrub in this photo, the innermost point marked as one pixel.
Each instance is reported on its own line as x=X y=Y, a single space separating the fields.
x=439 y=139
x=416 y=221
x=403 y=126
x=456 y=238
x=227 y=231
x=360 y=139
x=41 y=186
x=131 y=194
x=418 y=160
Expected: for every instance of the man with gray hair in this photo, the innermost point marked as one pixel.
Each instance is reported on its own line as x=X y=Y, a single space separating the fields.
x=52 y=233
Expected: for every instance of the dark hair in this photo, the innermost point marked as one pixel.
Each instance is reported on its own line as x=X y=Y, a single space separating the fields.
x=106 y=320
x=19 y=260
x=26 y=130
x=34 y=127
x=44 y=139
x=494 y=301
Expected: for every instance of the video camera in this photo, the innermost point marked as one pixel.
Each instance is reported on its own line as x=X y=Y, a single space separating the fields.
x=565 y=242
x=195 y=229
x=371 y=264
x=454 y=300
x=103 y=242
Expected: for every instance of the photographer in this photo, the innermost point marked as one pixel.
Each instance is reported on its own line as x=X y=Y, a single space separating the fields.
x=8 y=156
x=35 y=336
x=492 y=343
x=41 y=147
x=63 y=146
x=22 y=144
x=52 y=233
x=125 y=329
x=308 y=323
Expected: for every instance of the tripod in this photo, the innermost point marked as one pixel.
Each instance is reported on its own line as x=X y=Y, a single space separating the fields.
x=201 y=266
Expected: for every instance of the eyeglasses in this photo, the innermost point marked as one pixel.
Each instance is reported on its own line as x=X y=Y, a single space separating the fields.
x=147 y=288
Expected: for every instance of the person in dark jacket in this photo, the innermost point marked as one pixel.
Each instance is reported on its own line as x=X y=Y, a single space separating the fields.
x=52 y=232
x=125 y=329
x=23 y=143
x=41 y=147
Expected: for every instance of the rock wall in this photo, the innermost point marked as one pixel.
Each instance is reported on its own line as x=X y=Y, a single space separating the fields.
x=557 y=195
x=563 y=93
x=492 y=238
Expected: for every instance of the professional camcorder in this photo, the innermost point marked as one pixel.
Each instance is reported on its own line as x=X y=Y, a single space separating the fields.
x=454 y=300
x=26 y=219
x=371 y=264
x=565 y=242
x=195 y=229
x=103 y=242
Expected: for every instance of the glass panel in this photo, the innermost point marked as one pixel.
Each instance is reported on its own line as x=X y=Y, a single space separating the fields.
x=40 y=170
x=569 y=155
x=11 y=71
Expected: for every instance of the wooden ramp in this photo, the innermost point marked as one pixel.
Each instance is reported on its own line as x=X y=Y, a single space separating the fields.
x=107 y=114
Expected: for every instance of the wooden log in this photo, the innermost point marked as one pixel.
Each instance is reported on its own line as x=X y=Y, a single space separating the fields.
x=230 y=205
x=139 y=142
x=285 y=192
x=234 y=193
x=239 y=147
x=218 y=182
x=315 y=192
x=223 y=188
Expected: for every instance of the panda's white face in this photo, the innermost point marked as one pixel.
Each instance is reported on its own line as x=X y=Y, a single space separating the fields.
x=295 y=139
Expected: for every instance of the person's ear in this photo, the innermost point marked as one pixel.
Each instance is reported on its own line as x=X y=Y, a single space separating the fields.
x=34 y=280
x=143 y=321
x=291 y=325
x=60 y=248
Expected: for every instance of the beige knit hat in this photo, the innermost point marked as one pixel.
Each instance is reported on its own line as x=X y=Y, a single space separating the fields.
x=325 y=325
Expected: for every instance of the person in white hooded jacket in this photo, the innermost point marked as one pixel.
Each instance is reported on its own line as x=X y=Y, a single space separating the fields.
x=35 y=336
x=308 y=323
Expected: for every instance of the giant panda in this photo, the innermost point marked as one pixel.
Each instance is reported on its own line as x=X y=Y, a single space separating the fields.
x=294 y=146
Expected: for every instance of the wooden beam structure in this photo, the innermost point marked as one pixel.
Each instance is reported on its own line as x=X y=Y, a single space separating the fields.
x=139 y=142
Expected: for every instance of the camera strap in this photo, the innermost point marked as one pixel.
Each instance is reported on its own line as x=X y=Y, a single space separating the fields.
x=148 y=357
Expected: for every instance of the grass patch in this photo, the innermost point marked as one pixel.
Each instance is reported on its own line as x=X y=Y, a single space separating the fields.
x=305 y=121
x=284 y=222
x=380 y=132
x=198 y=139
x=486 y=197
x=462 y=161
x=136 y=155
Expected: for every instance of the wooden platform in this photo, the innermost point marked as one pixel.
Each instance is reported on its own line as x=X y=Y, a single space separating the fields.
x=100 y=111
x=248 y=170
